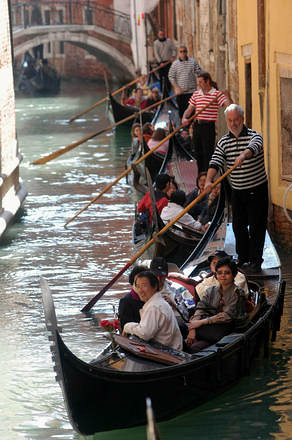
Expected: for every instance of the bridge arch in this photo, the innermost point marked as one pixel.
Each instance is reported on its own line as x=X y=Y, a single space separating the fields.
x=121 y=66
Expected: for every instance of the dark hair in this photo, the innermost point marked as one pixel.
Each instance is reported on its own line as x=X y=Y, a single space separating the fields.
x=133 y=128
x=147 y=128
x=161 y=181
x=178 y=197
x=202 y=173
x=226 y=261
x=158 y=134
x=135 y=271
x=153 y=280
x=207 y=77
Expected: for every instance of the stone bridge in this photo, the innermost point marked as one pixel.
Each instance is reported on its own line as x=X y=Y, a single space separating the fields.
x=101 y=31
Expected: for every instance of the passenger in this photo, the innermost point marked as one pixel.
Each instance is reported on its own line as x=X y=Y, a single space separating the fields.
x=137 y=100
x=136 y=139
x=174 y=207
x=211 y=280
x=158 y=322
x=158 y=135
x=185 y=140
x=197 y=209
x=220 y=308
x=147 y=130
x=206 y=216
x=159 y=267
x=162 y=187
x=153 y=98
x=130 y=304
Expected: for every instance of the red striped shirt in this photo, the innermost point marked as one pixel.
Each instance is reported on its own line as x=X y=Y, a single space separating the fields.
x=199 y=100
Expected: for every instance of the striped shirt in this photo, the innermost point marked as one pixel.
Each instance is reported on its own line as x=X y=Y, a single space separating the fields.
x=183 y=73
x=199 y=100
x=252 y=172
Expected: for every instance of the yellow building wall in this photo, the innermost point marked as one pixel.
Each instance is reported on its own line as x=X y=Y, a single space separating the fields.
x=278 y=46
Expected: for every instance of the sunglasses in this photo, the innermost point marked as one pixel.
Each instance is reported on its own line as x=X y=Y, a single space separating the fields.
x=183 y=50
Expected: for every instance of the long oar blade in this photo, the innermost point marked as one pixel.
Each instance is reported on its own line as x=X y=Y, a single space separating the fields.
x=150 y=242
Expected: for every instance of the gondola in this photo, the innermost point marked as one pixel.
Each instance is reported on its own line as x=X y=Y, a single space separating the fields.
x=43 y=81
x=109 y=393
x=116 y=112
x=179 y=241
x=167 y=114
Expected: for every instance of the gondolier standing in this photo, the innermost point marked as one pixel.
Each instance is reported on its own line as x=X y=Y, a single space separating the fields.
x=183 y=77
x=244 y=147
x=204 y=126
x=164 y=50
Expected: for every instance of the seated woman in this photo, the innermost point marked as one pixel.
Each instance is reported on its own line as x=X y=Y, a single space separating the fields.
x=211 y=279
x=130 y=304
x=174 y=207
x=158 y=322
x=219 y=309
x=147 y=130
x=137 y=100
x=136 y=139
x=157 y=137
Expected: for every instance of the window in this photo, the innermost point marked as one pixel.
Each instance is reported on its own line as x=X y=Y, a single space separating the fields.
x=47 y=17
x=248 y=95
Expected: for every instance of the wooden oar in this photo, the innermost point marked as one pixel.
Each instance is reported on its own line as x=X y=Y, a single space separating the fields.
x=101 y=101
x=124 y=173
x=64 y=150
x=150 y=242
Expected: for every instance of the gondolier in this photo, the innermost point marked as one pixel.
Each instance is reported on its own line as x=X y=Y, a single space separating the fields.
x=183 y=77
x=204 y=126
x=164 y=50
x=244 y=147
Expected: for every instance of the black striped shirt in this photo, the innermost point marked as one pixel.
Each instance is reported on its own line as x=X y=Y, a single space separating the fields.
x=252 y=172
x=183 y=73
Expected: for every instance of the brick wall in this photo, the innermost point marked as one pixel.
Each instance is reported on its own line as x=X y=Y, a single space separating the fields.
x=281 y=228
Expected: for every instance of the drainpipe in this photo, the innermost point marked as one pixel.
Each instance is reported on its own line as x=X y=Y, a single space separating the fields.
x=136 y=36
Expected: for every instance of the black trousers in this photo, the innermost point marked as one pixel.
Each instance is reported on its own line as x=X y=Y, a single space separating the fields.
x=163 y=77
x=183 y=102
x=204 y=142
x=249 y=222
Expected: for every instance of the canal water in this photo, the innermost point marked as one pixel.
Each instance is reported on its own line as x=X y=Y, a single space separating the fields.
x=79 y=261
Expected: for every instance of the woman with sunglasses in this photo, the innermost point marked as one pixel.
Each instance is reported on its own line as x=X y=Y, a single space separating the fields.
x=219 y=310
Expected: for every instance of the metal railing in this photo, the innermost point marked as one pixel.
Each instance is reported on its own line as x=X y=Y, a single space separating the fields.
x=70 y=12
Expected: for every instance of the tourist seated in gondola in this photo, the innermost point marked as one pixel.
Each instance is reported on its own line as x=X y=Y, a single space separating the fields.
x=137 y=100
x=174 y=207
x=159 y=267
x=208 y=212
x=147 y=130
x=196 y=210
x=130 y=304
x=136 y=134
x=162 y=188
x=184 y=139
x=211 y=279
x=158 y=135
x=220 y=309
x=158 y=322
x=153 y=98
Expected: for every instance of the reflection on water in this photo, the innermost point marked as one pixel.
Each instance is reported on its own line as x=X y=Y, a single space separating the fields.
x=80 y=260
